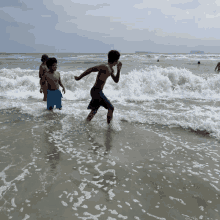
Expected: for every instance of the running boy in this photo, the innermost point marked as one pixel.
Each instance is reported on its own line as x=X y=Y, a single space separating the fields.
x=104 y=71
x=53 y=81
x=42 y=70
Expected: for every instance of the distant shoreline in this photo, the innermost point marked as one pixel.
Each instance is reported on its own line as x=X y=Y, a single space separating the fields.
x=137 y=52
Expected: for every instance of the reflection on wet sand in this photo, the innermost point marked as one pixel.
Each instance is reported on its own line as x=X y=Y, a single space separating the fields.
x=85 y=171
x=92 y=134
x=51 y=151
x=108 y=139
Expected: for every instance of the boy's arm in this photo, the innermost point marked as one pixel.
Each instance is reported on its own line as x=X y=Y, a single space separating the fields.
x=88 y=71
x=60 y=83
x=116 y=78
x=40 y=71
x=43 y=80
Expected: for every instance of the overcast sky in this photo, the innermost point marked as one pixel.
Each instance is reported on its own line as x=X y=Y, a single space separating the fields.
x=97 y=26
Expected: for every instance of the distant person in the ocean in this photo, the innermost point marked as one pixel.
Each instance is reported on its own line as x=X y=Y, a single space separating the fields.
x=104 y=71
x=52 y=77
x=217 y=67
x=42 y=70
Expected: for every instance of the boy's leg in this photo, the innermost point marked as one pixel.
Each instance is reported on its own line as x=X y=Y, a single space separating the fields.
x=58 y=103
x=58 y=99
x=109 y=115
x=91 y=115
x=50 y=100
x=107 y=104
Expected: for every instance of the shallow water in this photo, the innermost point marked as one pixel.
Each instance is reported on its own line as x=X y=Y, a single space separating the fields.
x=158 y=160
x=56 y=166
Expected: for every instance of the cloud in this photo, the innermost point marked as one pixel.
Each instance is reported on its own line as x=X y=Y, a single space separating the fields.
x=97 y=26
x=186 y=5
x=12 y=3
x=19 y=24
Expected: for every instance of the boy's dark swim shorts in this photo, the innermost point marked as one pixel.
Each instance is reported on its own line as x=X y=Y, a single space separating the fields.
x=99 y=99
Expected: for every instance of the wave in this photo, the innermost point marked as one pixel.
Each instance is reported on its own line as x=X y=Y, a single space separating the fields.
x=193 y=57
x=167 y=96
x=175 y=56
x=137 y=85
x=17 y=56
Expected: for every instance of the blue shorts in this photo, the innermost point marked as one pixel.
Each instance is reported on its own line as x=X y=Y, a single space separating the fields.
x=54 y=98
x=99 y=99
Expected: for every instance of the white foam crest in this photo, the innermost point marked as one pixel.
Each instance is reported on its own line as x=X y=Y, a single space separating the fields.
x=139 y=56
x=18 y=83
x=17 y=56
x=196 y=119
x=157 y=82
x=189 y=56
x=137 y=85
x=14 y=73
x=77 y=89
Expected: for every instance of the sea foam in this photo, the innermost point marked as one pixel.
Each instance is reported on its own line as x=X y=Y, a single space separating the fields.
x=137 y=85
x=154 y=95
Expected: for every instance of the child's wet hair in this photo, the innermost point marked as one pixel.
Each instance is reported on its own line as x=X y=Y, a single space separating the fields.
x=113 y=55
x=44 y=57
x=51 y=61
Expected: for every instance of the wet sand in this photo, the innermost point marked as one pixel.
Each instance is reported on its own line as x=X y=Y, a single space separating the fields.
x=56 y=166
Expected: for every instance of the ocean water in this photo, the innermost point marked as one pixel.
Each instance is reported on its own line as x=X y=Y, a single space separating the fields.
x=159 y=159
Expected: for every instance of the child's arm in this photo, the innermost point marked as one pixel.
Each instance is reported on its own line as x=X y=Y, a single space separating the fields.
x=43 y=80
x=116 y=78
x=60 y=83
x=88 y=71
x=40 y=71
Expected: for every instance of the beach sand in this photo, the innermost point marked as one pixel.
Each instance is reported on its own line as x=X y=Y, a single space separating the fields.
x=57 y=166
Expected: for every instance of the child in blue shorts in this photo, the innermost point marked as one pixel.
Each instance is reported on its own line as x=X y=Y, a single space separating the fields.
x=53 y=81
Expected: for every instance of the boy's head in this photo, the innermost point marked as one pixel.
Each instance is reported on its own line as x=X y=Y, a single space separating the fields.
x=113 y=56
x=52 y=63
x=44 y=58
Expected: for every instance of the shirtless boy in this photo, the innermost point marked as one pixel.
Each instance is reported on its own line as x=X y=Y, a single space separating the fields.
x=104 y=71
x=52 y=77
x=42 y=70
x=217 y=67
